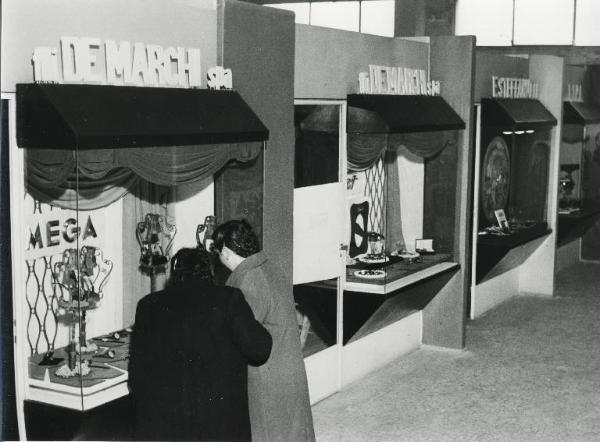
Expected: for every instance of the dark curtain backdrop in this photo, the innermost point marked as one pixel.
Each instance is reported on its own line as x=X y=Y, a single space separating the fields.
x=364 y=150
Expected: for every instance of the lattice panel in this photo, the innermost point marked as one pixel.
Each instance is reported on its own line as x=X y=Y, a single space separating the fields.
x=41 y=294
x=375 y=190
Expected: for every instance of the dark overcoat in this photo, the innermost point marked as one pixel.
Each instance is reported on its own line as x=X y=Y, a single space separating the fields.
x=277 y=391
x=188 y=363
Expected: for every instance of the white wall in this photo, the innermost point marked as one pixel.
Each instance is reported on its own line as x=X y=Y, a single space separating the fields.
x=27 y=24
x=192 y=203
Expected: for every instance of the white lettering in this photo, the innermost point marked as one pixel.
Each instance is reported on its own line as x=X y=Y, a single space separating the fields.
x=88 y=60
x=118 y=62
x=125 y=62
x=396 y=81
x=170 y=56
x=156 y=64
x=45 y=65
x=192 y=67
x=139 y=69
x=68 y=53
x=506 y=87
x=219 y=78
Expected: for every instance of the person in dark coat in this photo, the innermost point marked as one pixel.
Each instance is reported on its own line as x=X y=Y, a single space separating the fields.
x=277 y=391
x=190 y=350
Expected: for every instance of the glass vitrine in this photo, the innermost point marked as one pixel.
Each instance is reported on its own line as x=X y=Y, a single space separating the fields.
x=401 y=205
x=514 y=169
x=579 y=186
x=107 y=195
x=318 y=222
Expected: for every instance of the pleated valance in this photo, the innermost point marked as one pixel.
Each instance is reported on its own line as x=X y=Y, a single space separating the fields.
x=372 y=132
x=87 y=145
x=366 y=149
x=104 y=175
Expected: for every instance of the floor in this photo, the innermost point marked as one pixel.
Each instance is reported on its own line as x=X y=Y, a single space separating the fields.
x=530 y=372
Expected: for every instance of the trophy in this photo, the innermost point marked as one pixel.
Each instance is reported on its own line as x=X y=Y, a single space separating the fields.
x=208 y=228
x=150 y=233
x=81 y=276
x=566 y=186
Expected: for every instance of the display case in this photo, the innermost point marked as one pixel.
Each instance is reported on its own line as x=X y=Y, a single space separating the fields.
x=318 y=177
x=111 y=189
x=518 y=101
x=402 y=158
x=513 y=177
x=128 y=139
x=579 y=195
x=396 y=253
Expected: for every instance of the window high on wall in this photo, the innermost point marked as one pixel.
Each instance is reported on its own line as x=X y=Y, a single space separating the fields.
x=370 y=16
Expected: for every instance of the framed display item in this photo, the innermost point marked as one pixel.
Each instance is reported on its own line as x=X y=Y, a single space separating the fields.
x=495 y=178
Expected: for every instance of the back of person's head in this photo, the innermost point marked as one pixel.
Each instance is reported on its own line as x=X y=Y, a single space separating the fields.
x=191 y=264
x=237 y=236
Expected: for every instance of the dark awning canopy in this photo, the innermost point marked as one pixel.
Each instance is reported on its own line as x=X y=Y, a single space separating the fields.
x=580 y=113
x=74 y=116
x=395 y=114
x=576 y=116
x=515 y=114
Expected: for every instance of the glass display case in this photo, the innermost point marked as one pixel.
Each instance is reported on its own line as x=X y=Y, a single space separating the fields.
x=316 y=180
x=513 y=176
x=110 y=188
x=401 y=202
x=579 y=186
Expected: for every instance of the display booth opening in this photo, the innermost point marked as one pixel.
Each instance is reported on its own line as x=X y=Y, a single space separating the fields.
x=514 y=177
x=116 y=180
x=401 y=166
x=579 y=194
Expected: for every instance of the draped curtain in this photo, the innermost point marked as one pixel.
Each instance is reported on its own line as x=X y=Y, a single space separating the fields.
x=92 y=179
x=143 y=177
x=364 y=150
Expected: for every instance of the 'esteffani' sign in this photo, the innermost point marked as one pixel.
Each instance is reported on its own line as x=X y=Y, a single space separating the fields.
x=396 y=81
x=506 y=87
x=126 y=63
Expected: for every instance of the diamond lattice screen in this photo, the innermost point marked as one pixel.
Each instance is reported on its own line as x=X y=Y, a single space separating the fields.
x=375 y=191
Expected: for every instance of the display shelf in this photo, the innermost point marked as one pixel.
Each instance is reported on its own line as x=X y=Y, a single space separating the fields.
x=491 y=249
x=400 y=274
x=514 y=238
x=106 y=381
x=573 y=225
x=365 y=313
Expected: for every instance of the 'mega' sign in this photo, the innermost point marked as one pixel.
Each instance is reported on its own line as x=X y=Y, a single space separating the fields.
x=135 y=64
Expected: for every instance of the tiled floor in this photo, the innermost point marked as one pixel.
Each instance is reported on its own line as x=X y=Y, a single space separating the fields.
x=530 y=372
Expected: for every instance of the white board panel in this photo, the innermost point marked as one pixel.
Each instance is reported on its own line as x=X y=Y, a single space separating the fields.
x=318 y=229
x=411 y=173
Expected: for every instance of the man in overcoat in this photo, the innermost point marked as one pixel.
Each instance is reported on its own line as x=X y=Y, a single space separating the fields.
x=277 y=391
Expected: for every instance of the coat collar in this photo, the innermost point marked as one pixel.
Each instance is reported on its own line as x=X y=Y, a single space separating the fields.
x=247 y=264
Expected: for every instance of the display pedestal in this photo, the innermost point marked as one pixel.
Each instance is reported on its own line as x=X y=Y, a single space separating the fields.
x=106 y=381
x=574 y=225
x=492 y=249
